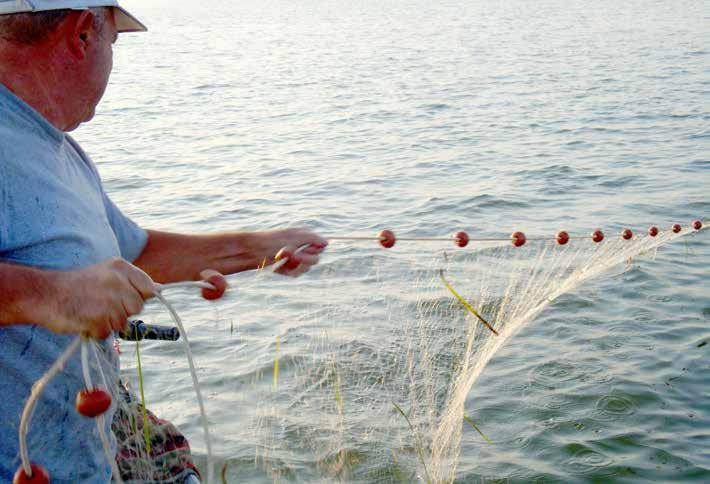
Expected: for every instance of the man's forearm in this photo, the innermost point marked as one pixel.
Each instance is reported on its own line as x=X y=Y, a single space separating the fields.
x=24 y=294
x=170 y=257
x=93 y=301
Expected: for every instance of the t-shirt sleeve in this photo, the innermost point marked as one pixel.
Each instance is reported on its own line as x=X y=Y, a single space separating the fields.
x=131 y=238
x=3 y=204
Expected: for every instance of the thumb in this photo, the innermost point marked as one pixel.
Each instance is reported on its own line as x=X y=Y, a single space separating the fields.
x=141 y=282
x=217 y=280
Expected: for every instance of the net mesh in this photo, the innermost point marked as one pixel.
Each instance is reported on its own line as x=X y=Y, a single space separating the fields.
x=378 y=392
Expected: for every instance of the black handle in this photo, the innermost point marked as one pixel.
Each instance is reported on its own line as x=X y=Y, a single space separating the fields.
x=137 y=330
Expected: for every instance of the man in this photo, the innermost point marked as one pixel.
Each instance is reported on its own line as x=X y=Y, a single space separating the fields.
x=70 y=262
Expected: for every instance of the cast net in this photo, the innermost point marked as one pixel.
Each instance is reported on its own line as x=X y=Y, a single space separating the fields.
x=363 y=373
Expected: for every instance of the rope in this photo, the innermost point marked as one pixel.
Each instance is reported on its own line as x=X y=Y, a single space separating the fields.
x=453 y=238
x=193 y=371
x=37 y=390
x=85 y=343
x=186 y=284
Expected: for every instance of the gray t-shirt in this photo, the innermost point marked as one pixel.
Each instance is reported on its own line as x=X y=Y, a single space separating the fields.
x=54 y=214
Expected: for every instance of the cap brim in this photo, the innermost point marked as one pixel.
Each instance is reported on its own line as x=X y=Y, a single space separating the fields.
x=125 y=22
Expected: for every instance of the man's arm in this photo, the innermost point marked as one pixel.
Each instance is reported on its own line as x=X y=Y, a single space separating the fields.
x=25 y=294
x=96 y=300
x=169 y=257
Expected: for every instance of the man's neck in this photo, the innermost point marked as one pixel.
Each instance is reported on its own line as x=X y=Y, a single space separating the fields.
x=33 y=80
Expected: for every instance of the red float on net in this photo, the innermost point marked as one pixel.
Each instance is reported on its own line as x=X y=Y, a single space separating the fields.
x=627 y=234
x=92 y=403
x=653 y=231
x=461 y=239
x=597 y=236
x=518 y=239
x=676 y=228
x=562 y=237
x=292 y=260
x=39 y=475
x=387 y=239
x=697 y=225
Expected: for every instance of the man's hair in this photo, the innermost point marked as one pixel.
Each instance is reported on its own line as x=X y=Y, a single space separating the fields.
x=33 y=28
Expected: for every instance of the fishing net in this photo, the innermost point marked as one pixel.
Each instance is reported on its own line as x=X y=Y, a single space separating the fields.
x=379 y=395
x=361 y=372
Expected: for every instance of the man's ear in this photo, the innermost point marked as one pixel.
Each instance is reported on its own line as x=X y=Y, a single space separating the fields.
x=80 y=32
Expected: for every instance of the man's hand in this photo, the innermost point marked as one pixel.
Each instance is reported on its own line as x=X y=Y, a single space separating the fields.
x=284 y=244
x=97 y=300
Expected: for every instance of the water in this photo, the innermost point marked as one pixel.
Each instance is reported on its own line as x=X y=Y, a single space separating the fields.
x=428 y=118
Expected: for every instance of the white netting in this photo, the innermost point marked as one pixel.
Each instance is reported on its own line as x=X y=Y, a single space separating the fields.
x=369 y=382
x=386 y=402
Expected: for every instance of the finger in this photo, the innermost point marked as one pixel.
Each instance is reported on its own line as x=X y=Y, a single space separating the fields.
x=315 y=242
x=133 y=304
x=309 y=259
x=217 y=280
x=318 y=243
x=313 y=249
x=119 y=325
x=300 y=270
x=141 y=282
x=100 y=330
x=284 y=271
x=119 y=321
x=100 y=333
x=293 y=260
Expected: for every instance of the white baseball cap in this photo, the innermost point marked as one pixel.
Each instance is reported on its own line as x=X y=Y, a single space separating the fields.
x=125 y=22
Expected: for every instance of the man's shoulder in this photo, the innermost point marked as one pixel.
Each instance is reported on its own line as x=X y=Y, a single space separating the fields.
x=23 y=156
x=31 y=164
x=19 y=139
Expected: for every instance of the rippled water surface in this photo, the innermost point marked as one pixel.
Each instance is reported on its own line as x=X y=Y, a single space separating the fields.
x=431 y=117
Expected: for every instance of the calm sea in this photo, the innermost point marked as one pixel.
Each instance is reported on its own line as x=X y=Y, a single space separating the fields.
x=430 y=117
